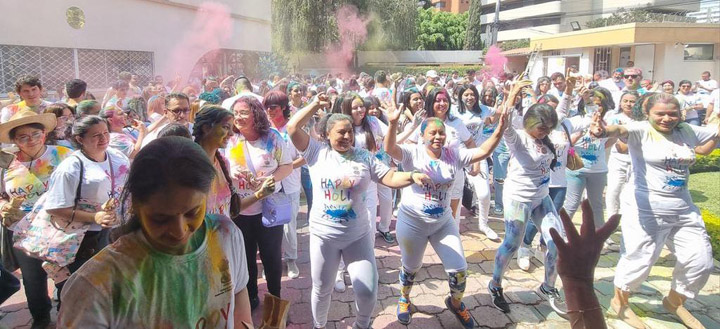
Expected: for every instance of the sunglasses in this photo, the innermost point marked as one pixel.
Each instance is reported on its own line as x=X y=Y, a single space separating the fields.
x=180 y=111
x=634 y=76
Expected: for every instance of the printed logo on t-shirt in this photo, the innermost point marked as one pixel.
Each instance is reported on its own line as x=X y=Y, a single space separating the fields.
x=338 y=204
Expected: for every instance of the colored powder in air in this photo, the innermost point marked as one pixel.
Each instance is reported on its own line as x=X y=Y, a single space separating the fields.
x=495 y=62
x=211 y=28
x=352 y=29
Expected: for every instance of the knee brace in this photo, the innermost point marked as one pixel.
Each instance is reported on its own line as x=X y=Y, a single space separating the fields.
x=457 y=284
x=407 y=280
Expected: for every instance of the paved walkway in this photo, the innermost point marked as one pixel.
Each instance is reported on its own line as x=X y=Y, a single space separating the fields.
x=528 y=310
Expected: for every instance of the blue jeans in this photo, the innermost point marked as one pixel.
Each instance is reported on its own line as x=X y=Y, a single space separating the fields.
x=557 y=194
x=35 y=281
x=307 y=186
x=500 y=163
x=693 y=121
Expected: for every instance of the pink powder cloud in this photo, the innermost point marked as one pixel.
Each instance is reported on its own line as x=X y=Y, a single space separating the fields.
x=495 y=62
x=352 y=28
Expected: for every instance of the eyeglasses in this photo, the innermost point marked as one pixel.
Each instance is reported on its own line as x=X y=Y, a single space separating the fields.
x=177 y=112
x=24 y=139
x=634 y=76
x=274 y=107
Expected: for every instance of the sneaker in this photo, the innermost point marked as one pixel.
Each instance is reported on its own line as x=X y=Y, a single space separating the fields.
x=254 y=302
x=498 y=212
x=387 y=236
x=293 y=271
x=489 y=233
x=553 y=296
x=523 y=258
x=404 y=314
x=340 y=283
x=462 y=314
x=498 y=299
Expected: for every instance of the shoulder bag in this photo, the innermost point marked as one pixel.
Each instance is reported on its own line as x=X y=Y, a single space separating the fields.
x=277 y=207
x=234 y=196
x=574 y=161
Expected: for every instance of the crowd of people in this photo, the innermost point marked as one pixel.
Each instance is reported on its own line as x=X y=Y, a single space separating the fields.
x=149 y=208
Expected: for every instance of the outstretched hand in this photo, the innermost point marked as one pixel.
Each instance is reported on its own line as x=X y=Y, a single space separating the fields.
x=597 y=126
x=578 y=256
x=421 y=179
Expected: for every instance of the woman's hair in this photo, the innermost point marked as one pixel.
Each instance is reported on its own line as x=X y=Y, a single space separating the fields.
x=35 y=125
x=344 y=105
x=461 y=105
x=328 y=122
x=175 y=129
x=83 y=125
x=494 y=92
x=195 y=107
x=638 y=111
x=407 y=95
x=430 y=103
x=661 y=98
x=427 y=121
x=629 y=93
x=276 y=97
x=668 y=81
x=684 y=82
x=260 y=119
x=548 y=98
x=118 y=84
x=146 y=93
x=83 y=108
x=542 y=114
x=541 y=80
x=156 y=104
x=163 y=164
x=139 y=106
x=208 y=116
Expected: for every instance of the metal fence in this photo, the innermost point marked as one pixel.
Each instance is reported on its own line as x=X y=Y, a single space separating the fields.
x=55 y=66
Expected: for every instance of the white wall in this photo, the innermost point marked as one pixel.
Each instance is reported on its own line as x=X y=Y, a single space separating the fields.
x=670 y=65
x=142 y=25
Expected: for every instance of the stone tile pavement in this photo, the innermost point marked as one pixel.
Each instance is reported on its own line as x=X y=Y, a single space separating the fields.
x=528 y=309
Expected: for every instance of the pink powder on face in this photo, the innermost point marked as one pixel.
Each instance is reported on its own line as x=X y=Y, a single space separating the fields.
x=211 y=28
x=352 y=29
x=495 y=63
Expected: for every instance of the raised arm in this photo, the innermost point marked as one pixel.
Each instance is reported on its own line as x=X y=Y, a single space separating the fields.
x=391 y=146
x=600 y=130
x=487 y=147
x=400 y=179
x=299 y=137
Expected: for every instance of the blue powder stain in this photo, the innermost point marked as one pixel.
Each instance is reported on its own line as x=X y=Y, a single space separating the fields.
x=434 y=211
x=589 y=156
x=341 y=213
x=545 y=181
x=676 y=182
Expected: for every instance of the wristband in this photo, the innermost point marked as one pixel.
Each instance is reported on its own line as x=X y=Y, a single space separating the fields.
x=257 y=195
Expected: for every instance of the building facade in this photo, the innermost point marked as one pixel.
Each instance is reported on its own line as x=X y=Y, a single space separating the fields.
x=95 y=40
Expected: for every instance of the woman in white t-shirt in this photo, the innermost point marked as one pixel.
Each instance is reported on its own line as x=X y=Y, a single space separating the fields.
x=657 y=208
x=104 y=173
x=526 y=196
x=257 y=151
x=690 y=102
x=619 y=162
x=476 y=116
x=172 y=264
x=339 y=224
x=119 y=139
x=424 y=214
x=437 y=105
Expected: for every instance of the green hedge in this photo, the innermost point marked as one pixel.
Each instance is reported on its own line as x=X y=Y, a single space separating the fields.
x=712 y=224
x=371 y=69
x=707 y=163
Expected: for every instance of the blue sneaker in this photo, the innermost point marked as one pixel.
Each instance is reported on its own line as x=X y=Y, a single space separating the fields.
x=462 y=314
x=404 y=314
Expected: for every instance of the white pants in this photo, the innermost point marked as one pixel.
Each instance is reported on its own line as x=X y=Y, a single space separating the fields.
x=289 y=243
x=360 y=258
x=594 y=184
x=617 y=177
x=482 y=191
x=413 y=236
x=643 y=237
x=385 y=207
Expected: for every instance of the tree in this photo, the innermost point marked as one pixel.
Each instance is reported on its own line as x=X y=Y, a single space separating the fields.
x=392 y=26
x=439 y=30
x=473 y=40
x=637 y=15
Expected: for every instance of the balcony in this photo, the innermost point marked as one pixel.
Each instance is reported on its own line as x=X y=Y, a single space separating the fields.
x=543 y=9
x=527 y=33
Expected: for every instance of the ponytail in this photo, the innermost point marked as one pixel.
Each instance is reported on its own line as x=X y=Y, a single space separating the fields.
x=546 y=141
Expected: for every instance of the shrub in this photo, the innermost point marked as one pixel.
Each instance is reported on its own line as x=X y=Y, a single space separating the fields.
x=707 y=163
x=712 y=224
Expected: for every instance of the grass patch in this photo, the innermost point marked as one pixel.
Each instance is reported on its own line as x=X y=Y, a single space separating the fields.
x=705 y=192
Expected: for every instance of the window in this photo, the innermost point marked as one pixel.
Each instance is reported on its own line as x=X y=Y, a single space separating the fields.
x=698 y=52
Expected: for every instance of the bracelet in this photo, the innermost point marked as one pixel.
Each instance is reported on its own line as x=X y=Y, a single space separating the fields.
x=411 y=176
x=257 y=195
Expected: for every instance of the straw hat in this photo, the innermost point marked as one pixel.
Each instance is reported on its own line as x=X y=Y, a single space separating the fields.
x=24 y=117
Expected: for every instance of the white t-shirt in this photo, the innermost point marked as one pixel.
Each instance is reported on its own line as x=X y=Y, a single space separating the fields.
x=291 y=183
x=710 y=84
x=528 y=171
x=383 y=94
x=340 y=190
x=475 y=123
x=130 y=284
x=715 y=100
x=266 y=153
x=660 y=167
x=100 y=182
x=29 y=180
x=227 y=104
x=620 y=119
x=592 y=151
x=562 y=145
x=153 y=135
x=431 y=203
x=687 y=102
x=455 y=131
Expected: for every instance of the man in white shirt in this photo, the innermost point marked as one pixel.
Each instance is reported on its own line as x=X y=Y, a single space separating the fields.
x=558 y=81
x=177 y=110
x=243 y=87
x=713 y=108
x=705 y=85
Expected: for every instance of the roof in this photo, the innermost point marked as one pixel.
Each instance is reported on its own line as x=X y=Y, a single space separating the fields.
x=632 y=33
x=517 y=52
